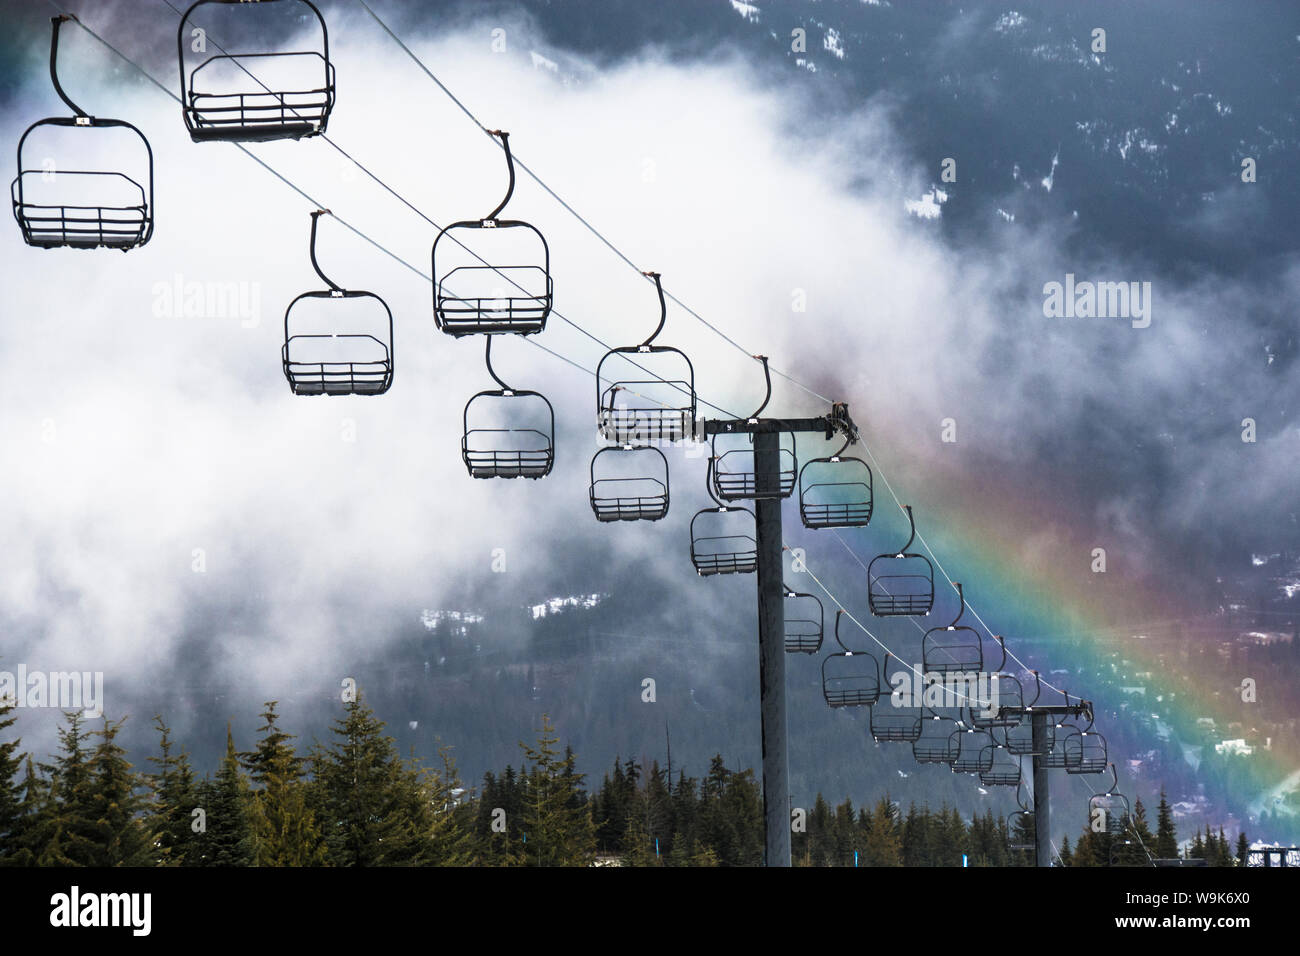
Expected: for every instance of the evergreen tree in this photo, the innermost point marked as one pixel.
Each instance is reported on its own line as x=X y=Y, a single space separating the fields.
x=1223 y=854
x=226 y=838
x=282 y=824
x=1166 y=843
x=174 y=799
x=115 y=806
x=558 y=826
x=1243 y=848
x=65 y=834
x=35 y=816
x=370 y=802
x=883 y=846
x=1067 y=858
x=11 y=761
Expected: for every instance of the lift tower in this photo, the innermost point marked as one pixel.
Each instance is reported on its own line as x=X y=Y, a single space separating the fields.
x=767 y=490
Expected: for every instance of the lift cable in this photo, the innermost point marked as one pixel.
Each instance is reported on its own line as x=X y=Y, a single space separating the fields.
x=406 y=202
x=624 y=258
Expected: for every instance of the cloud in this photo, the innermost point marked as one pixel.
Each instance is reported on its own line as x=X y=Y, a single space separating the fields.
x=137 y=441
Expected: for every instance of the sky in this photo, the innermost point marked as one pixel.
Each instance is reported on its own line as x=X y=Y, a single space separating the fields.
x=174 y=514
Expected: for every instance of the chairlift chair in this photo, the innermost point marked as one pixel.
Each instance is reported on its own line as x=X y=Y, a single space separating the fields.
x=955 y=648
x=84 y=208
x=481 y=309
x=1019 y=737
x=935 y=744
x=492 y=450
x=891 y=722
x=805 y=622
x=835 y=492
x=849 y=678
x=1021 y=821
x=637 y=410
x=735 y=473
x=336 y=362
x=1092 y=755
x=222 y=100
x=638 y=497
x=1065 y=749
x=1004 y=767
x=901 y=584
x=722 y=538
x=972 y=751
x=1113 y=807
x=1004 y=704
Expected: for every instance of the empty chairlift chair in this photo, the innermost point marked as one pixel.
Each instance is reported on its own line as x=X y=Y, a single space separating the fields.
x=63 y=204
x=1019 y=737
x=258 y=96
x=479 y=297
x=647 y=406
x=722 y=538
x=1001 y=698
x=337 y=341
x=1109 y=812
x=835 y=492
x=972 y=751
x=935 y=744
x=1003 y=766
x=1064 y=750
x=849 y=678
x=629 y=483
x=1092 y=754
x=509 y=433
x=892 y=722
x=805 y=623
x=1020 y=825
x=956 y=648
x=901 y=584
x=735 y=475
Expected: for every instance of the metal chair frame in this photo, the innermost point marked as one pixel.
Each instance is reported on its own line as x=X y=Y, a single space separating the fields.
x=741 y=553
x=260 y=116
x=849 y=678
x=533 y=462
x=853 y=513
x=885 y=604
x=804 y=635
x=337 y=377
x=76 y=226
x=524 y=314
x=610 y=503
x=956 y=648
x=647 y=420
x=890 y=724
x=734 y=485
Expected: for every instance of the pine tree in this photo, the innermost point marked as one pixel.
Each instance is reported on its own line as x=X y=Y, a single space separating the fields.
x=115 y=806
x=1067 y=858
x=283 y=826
x=883 y=846
x=174 y=799
x=35 y=816
x=66 y=834
x=370 y=802
x=1166 y=847
x=11 y=761
x=227 y=838
x=558 y=826
x=1243 y=848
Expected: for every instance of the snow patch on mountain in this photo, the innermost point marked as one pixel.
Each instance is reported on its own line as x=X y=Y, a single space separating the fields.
x=746 y=10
